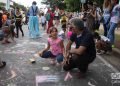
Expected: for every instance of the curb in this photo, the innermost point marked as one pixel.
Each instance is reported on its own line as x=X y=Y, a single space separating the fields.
x=116 y=52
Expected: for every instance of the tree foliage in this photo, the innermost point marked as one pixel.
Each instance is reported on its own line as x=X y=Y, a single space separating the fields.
x=54 y=3
x=2 y=5
x=16 y=5
x=69 y=5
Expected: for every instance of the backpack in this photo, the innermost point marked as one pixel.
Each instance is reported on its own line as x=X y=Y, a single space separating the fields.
x=48 y=16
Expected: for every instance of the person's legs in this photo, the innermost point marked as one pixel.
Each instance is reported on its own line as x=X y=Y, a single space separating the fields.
x=105 y=29
x=17 y=30
x=12 y=30
x=20 y=26
x=6 y=33
x=47 y=54
x=48 y=27
x=83 y=68
x=37 y=31
x=59 y=58
x=31 y=27
x=111 y=32
x=82 y=62
x=106 y=25
x=69 y=66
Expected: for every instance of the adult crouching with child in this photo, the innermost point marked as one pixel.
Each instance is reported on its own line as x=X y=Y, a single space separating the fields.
x=84 y=53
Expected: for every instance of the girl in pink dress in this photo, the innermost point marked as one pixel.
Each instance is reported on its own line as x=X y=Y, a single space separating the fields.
x=55 y=47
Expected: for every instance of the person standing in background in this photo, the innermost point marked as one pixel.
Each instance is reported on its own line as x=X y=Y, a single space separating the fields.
x=49 y=18
x=43 y=21
x=114 y=21
x=33 y=23
x=18 y=23
x=56 y=16
x=106 y=15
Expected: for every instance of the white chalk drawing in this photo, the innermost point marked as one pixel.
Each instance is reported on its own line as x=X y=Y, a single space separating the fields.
x=11 y=84
x=13 y=75
x=34 y=43
x=17 y=46
x=90 y=84
x=46 y=78
x=23 y=51
x=28 y=51
x=45 y=68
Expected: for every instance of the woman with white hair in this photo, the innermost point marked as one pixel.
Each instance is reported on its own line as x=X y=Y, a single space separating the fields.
x=33 y=24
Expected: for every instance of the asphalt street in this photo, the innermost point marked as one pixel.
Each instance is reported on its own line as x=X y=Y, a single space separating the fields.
x=20 y=72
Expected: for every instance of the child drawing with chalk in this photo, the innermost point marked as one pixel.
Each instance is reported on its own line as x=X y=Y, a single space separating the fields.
x=55 y=48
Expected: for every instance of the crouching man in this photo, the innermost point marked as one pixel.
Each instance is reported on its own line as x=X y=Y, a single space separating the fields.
x=84 y=53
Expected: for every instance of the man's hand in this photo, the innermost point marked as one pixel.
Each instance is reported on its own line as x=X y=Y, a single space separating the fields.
x=71 y=51
x=66 y=58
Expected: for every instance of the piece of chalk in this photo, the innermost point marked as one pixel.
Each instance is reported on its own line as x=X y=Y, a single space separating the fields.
x=32 y=60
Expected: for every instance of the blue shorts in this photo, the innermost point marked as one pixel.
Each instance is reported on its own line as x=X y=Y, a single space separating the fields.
x=48 y=54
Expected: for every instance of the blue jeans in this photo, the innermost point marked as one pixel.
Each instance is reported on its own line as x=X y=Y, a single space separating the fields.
x=48 y=54
x=111 y=32
x=106 y=24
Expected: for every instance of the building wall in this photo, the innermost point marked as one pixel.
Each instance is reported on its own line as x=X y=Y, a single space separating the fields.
x=3 y=1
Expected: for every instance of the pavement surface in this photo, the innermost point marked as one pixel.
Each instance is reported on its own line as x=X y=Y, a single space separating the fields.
x=20 y=72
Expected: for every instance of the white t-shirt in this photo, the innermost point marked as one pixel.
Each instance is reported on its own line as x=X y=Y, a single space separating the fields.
x=115 y=14
x=57 y=13
x=61 y=34
x=43 y=19
x=104 y=38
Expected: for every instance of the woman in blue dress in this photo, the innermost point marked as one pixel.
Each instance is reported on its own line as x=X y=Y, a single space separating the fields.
x=33 y=23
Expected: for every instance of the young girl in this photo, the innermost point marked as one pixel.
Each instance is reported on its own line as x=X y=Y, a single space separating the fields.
x=55 y=47
x=69 y=33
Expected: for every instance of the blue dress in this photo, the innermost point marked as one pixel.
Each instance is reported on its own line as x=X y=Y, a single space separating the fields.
x=33 y=23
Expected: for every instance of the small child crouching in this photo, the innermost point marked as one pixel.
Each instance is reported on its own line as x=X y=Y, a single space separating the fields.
x=102 y=43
